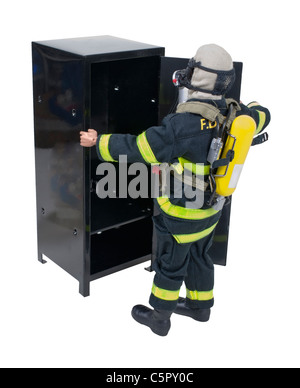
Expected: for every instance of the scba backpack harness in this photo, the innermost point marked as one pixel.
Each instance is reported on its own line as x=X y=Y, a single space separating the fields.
x=229 y=147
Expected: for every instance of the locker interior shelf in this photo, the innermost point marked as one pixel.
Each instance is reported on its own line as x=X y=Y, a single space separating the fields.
x=119 y=246
x=114 y=212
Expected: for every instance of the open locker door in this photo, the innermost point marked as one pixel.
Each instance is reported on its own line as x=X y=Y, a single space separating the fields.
x=168 y=102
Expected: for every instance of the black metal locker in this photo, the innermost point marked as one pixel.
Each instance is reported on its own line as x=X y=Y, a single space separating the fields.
x=112 y=85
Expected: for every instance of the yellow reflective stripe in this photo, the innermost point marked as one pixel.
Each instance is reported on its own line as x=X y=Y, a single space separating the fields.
x=262 y=120
x=199 y=295
x=195 y=168
x=103 y=148
x=252 y=104
x=145 y=149
x=262 y=116
x=187 y=238
x=182 y=212
x=165 y=294
x=178 y=168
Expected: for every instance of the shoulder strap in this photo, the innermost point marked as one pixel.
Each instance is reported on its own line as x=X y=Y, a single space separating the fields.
x=209 y=111
x=235 y=108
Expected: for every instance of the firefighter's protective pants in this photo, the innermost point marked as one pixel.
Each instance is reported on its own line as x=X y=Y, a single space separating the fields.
x=177 y=263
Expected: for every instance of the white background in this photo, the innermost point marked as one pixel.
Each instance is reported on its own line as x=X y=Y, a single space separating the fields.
x=255 y=322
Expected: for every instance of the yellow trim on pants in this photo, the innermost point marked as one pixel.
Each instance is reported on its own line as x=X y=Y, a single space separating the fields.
x=182 y=212
x=188 y=238
x=200 y=295
x=165 y=294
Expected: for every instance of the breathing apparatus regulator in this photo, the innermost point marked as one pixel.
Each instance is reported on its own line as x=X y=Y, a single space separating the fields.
x=233 y=135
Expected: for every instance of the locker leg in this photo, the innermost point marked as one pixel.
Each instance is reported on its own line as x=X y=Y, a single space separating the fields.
x=84 y=288
x=40 y=258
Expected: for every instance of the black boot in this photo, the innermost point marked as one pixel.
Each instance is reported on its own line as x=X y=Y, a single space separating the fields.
x=201 y=315
x=158 y=320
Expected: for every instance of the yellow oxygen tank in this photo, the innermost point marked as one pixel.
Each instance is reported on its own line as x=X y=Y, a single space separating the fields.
x=241 y=135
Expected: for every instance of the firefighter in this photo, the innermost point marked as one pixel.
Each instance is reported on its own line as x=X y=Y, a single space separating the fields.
x=184 y=230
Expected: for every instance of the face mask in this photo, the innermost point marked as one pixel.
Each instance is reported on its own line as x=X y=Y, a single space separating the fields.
x=225 y=79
